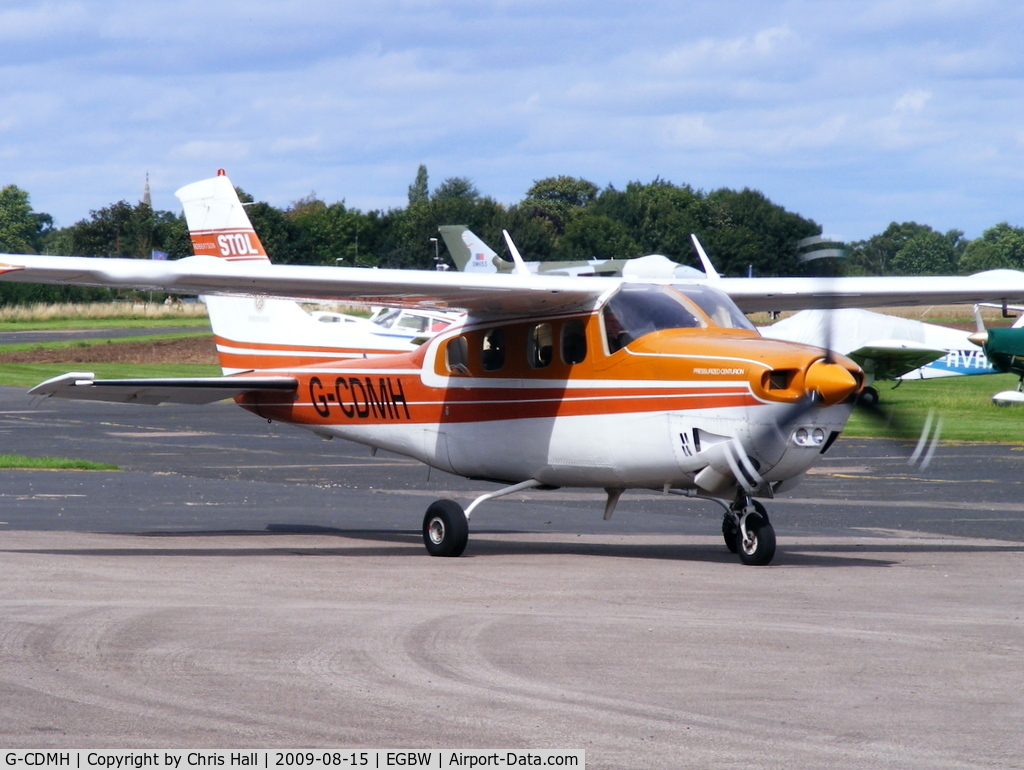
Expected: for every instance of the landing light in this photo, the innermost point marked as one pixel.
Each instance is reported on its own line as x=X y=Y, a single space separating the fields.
x=809 y=437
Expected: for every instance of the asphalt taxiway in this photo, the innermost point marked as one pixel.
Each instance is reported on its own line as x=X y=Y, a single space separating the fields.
x=242 y=584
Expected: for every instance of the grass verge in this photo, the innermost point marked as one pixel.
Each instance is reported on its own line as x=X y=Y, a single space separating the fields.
x=964 y=404
x=30 y=375
x=101 y=315
x=19 y=347
x=18 y=462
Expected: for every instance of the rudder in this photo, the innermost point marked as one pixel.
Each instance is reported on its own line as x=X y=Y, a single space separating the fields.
x=217 y=222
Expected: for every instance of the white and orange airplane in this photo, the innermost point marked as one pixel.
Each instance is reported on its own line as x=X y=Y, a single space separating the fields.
x=549 y=381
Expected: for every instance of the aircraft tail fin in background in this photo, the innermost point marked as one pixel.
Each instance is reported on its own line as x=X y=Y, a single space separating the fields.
x=217 y=222
x=470 y=254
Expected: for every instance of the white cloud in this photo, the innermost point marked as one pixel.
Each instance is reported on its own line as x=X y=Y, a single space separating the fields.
x=745 y=53
x=212 y=152
x=820 y=105
x=913 y=101
x=35 y=22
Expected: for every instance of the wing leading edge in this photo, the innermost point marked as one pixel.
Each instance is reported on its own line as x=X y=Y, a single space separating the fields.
x=490 y=293
x=504 y=294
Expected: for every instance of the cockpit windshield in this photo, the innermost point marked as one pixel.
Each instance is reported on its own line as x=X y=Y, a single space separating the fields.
x=639 y=309
x=716 y=305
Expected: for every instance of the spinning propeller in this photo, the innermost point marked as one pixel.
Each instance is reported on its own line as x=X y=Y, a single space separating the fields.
x=827 y=383
x=895 y=424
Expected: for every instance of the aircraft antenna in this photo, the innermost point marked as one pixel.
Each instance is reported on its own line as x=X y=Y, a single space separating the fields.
x=520 y=268
x=709 y=269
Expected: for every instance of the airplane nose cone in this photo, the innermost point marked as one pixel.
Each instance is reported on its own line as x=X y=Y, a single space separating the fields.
x=979 y=338
x=833 y=383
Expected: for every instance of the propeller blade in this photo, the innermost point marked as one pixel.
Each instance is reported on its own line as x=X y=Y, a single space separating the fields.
x=979 y=324
x=922 y=455
x=927 y=437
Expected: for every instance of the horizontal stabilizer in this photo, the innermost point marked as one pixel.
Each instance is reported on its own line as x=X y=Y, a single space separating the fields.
x=159 y=390
x=891 y=359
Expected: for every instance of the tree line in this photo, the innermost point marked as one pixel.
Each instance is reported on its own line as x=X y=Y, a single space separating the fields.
x=560 y=218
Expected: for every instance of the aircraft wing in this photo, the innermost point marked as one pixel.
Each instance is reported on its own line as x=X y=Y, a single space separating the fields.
x=489 y=293
x=396 y=288
x=890 y=359
x=767 y=294
x=164 y=390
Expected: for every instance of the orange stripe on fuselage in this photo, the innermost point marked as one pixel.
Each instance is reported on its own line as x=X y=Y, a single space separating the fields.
x=671 y=370
x=389 y=396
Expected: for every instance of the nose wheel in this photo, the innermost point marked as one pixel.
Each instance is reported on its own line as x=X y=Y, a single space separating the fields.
x=748 y=532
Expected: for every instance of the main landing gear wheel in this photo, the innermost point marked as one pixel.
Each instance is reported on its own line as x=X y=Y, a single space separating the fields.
x=755 y=536
x=730 y=528
x=445 y=529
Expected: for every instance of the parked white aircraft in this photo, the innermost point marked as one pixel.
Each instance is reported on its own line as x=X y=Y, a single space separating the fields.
x=886 y=347
x=472 y=255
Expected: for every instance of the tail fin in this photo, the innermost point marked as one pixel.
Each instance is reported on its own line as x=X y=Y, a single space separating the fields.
x=263 y=333
x=470 y=254
x=217 y=223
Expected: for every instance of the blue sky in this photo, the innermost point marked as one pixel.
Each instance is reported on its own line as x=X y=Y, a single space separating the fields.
x=853 y=114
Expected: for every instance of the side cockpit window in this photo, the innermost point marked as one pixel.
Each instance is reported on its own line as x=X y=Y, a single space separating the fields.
x=492 y=353
x=574 y=342
x=540 y=346
x=456 y=356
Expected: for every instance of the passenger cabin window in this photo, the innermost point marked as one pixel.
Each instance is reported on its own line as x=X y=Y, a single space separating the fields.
x=492 y=353
x=574 y=342
x=636 y=310
x=456 y=356
x=540 y=346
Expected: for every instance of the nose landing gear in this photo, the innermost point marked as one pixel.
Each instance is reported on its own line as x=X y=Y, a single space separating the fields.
x=748 y=533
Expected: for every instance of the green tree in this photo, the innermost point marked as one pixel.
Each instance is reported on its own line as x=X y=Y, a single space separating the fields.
x=558 y=199
x=746 y=231
x=534 y=236
x=1001 y=246
x=659 y=216
x=927 y=253
x=419 y=190
x=595 y=235
x=22 y=231
x=413 y=240
x=875 y=255
x=328 y=234
x=456 y=188
x=119 y=230
x=170 y=235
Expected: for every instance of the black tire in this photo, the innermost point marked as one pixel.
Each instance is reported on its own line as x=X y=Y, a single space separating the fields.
x=445 y=529
x=729 y=530
x=760 y=549
x=868 y=397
